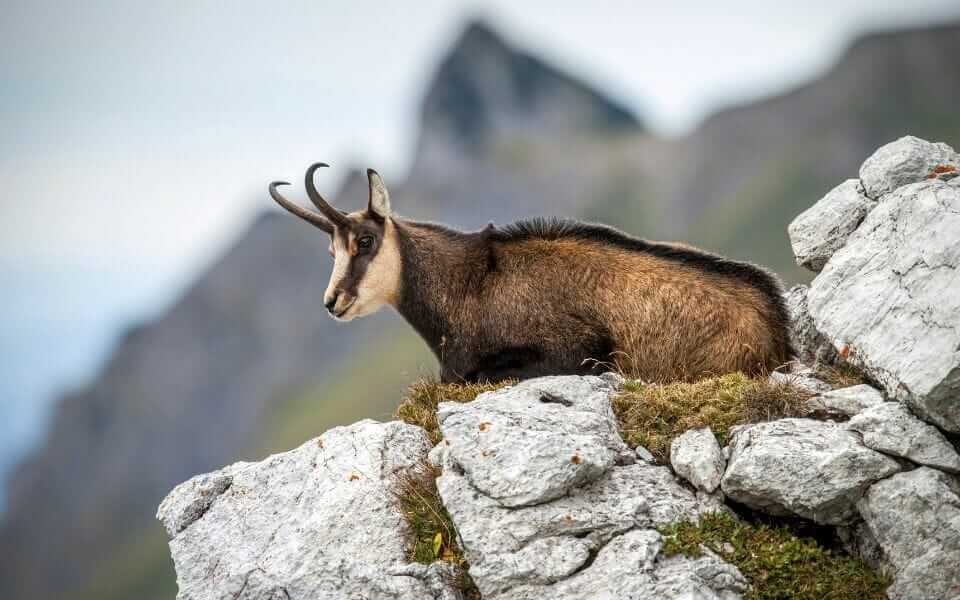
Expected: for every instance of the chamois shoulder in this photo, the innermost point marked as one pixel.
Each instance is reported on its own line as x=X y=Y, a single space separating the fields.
x=557 y=229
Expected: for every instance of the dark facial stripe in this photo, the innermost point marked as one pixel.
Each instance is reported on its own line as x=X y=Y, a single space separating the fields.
x=357 y=267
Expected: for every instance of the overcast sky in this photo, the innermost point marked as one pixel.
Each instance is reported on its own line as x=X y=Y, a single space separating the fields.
x=137 y=138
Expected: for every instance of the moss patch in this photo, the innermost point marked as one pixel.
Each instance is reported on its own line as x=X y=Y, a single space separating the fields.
x=778 y=564
x=419 y=405
x=840 y=375
x=432 y=534
x=651 y=415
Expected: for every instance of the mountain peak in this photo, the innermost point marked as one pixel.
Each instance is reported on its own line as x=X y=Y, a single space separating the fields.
x=485 y=90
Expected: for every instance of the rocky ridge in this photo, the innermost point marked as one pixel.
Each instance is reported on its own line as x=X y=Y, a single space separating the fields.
x=546 y=497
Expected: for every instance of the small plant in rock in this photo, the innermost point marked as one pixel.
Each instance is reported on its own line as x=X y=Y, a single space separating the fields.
x=432 y=533
x=651 y=415
x=419 y=405
x=778 y=564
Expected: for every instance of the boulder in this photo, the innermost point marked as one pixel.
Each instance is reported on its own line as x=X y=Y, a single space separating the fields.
x=902 y=162
x=696 y=456
x=630 y=566
x=823 y=228
x=915 y=519
x=846 y=401
x=535 y=441
x=810 y=345
x=814 y=469
x=889 y=298
x=551 y=543
x=889 y=427
x=318 y=521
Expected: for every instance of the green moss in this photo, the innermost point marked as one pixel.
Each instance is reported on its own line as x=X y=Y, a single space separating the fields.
x=778 y=564
x=419 y=405
x=651 y=415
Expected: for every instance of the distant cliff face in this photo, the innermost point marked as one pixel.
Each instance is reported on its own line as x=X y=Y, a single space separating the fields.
x=486 y=92
x=503 y=135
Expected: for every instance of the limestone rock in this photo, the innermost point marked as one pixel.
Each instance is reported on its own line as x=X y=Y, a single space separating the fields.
x=630 y=566
x=696 y=456
x=889 y=427
x=823 y=228
x=811 y=347
x=315 y=522
x=889 y=296
x=902 y=162
x=535 y=441
x=915 y=519
x=543 y=544
x=846 y=401
x=817 y=470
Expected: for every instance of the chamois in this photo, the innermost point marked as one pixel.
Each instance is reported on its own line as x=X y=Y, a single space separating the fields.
x=550 y=296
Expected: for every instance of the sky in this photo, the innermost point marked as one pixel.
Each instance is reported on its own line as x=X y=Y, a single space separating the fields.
x=136 y=138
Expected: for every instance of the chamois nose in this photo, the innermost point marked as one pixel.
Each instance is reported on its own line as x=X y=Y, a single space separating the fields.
x=332 y=301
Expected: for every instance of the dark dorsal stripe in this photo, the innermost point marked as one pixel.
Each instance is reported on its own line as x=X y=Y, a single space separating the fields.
x=556 y=229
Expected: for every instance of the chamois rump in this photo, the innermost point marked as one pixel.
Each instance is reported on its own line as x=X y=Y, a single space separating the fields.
x=550 y=296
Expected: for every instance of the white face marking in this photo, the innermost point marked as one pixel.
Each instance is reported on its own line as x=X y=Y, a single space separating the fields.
x=380 y=284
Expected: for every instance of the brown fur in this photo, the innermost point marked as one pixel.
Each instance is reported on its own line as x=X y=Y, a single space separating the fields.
x=493 y=306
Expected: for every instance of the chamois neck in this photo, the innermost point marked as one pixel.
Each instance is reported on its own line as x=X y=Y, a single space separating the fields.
x=440 y=269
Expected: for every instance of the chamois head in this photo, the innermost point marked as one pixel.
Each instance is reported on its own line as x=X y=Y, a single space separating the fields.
x=366 y=268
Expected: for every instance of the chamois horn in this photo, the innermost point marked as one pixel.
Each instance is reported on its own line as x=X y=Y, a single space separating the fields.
x=333 y=215
x=308 y=215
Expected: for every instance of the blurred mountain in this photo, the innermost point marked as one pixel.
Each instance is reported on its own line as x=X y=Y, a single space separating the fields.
x=247 y=362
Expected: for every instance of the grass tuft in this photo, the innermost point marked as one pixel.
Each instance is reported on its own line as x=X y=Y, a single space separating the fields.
x=432 y=534
x=651 y=415
x=419 y=405
x=839 y=375
x=778 y=564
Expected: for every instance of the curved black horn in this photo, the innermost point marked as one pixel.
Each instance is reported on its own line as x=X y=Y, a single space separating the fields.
x=333 y=215
x=311 y=217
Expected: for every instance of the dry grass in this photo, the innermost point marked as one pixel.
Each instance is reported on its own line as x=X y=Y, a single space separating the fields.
x=651 y=415
x=432 y=534
x=840 y=375
x=778 y=563
x=419 y=405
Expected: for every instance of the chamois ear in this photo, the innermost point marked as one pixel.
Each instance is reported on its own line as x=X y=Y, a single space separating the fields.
x=379 y=196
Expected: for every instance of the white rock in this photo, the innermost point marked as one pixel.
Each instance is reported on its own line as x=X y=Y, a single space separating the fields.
x=803 y=379
x=905 y=161
x=846 y=401
x=817 y=470
x=318 y=521
x=539 y=545
x=630 y=566
x=696 y=456
x=890 y=428
x=823 y=228
x=890 y=296
x=645 y=455
x=811 y=347
x=552 y=547
x=915 y=518
x=534 y=441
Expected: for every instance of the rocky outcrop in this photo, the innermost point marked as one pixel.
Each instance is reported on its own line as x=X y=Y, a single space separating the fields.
x=812 y=469
x=886 y=299
x=315 y=522
x=535 y=441
x=915 y=519
x=541 y=432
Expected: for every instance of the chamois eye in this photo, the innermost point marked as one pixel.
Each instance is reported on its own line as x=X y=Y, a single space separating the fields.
x=365 y=243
